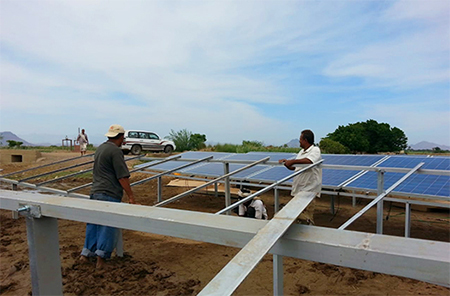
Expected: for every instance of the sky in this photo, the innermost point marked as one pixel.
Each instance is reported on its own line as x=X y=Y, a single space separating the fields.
x=232 y=70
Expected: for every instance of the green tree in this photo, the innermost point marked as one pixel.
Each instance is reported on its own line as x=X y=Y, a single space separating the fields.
x=332 y=147
x=14 y=144
x=197 y=141
x=437 y=150
x=370 y=137
x=186 y=140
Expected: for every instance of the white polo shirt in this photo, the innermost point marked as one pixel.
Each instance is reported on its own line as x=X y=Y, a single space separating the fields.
x=310 y=180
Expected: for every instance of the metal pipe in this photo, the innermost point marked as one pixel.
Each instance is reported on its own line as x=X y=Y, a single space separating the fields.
x=251 y=196
x=132 y=171
x=380 y=204
x=55 y=171
x=210 y=182
x=226 y=168
x=407 y=219
x=45 y=165
x=380 y=197
x=170 y=171
x=156 y=163
x=75 y=174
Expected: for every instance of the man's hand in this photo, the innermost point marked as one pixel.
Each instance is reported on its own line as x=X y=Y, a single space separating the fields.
x=282 y=161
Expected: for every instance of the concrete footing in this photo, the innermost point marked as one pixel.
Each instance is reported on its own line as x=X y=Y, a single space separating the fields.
x=19 y=156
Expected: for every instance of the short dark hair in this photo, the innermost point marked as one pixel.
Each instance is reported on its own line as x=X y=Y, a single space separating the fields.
x=116 y=137
x=308 y=135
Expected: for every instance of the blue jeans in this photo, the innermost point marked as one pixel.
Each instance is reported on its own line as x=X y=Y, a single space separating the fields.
x=100 y=240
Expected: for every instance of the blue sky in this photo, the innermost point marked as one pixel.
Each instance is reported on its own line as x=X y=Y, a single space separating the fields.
x=233 y=70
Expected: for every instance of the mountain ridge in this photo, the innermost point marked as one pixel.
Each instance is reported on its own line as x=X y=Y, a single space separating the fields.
x=10 y=136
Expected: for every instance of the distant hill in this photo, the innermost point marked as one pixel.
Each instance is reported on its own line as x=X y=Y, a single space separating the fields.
x=424 y=145
x=7 y=136
x=294 y=143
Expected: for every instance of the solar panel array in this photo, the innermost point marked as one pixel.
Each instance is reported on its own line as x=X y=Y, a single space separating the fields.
x=417 y=184
x=437 y=185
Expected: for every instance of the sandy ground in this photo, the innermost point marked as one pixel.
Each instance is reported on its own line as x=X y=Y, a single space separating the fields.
x=160 y=265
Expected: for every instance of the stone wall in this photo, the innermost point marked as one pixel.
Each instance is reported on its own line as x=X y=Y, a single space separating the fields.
x=19 y=156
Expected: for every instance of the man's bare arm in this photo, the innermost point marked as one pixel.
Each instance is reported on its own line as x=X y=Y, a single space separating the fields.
x=290 y=162
x=125 y=182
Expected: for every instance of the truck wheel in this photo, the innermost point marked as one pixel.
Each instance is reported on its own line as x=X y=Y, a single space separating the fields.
x=136 y=149
x=168 y=149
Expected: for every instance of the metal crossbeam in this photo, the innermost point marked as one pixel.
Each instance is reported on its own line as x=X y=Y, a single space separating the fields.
x=75 y=174
x=265 y=189
x=232 y=275
x=381 y=196
x=156 y=163
x=55 y=171
x=413 y=258
x=46 y=165
x=170 y=171
x=146 y=166
x=210 y=182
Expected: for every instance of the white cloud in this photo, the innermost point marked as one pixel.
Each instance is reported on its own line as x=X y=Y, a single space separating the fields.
x=223 y=68
x=413 y=56
x=419 y=121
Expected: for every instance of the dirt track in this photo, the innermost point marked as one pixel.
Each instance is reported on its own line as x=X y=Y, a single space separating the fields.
x=160 y=265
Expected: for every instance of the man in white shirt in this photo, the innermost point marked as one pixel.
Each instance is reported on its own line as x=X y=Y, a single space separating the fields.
x=84 y=141
x=253 y=208
x=310 y=180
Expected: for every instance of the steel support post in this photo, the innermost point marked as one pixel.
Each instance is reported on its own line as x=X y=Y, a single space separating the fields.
x=226 y=170
x=332 y=205
x=216 y=190
x=276 y=200
x=45 y=263
x=14 y=187
x=278 y=275
x=407 y=219
x=380 y=190
x=159 y=189
x=119 y=243
x=353 y=199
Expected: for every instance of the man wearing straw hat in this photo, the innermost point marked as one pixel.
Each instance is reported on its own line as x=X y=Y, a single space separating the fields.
x=110 y=179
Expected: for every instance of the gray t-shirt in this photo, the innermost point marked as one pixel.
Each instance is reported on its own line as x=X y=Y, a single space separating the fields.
x=109 y=167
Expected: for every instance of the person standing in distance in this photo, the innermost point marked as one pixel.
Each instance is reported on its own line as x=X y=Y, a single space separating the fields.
x=110 y=179
x=310 y=180
x=83 y=140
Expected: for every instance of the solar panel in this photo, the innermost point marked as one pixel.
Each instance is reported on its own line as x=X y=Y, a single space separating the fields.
x=273 y=174
x=217 y=169
x=336 y=177
x=341 y=159
x=426 y=184
x=203 y=154
x=165 y=166
x=431 y=163
x=417 y=183
x=275 y=156
x=240 y=156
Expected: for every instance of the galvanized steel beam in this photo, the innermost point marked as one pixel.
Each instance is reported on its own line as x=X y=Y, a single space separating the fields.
x=232 y=275
x=380 y=197
x=413 y=258
x=45 y=165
